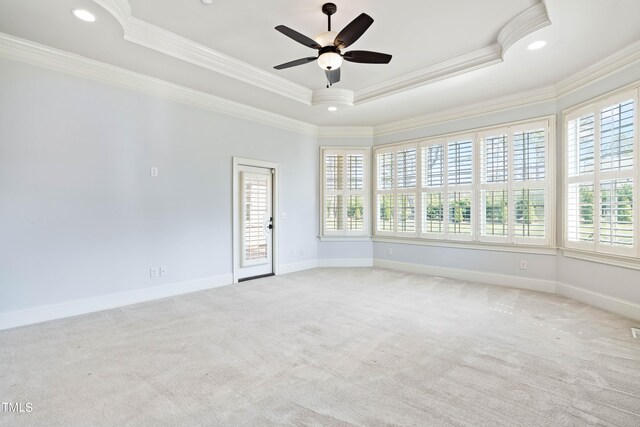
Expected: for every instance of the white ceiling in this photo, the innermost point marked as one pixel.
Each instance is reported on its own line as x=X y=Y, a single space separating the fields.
x=240 y=47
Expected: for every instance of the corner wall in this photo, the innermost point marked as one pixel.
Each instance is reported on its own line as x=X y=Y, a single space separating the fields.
x=82 y=220
x=608 y=286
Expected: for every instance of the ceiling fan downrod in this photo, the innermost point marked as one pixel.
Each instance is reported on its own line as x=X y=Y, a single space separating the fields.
x=329 y=9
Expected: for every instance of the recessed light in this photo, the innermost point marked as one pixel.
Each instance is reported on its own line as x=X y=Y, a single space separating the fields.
x=84 y=15
x=207 y=1
x=537 y=45
x=332 y=108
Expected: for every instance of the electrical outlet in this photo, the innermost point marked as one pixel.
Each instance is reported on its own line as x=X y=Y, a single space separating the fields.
x=389 y=251
x=164 y=270
x=523 y=264
x=283 y=216
x=153 y=272
x=154 y=171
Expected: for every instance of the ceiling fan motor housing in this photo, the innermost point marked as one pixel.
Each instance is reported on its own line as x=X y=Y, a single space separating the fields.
x=329 y=9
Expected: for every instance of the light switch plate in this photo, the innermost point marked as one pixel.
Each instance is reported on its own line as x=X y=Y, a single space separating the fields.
x=164 y=270
x=636 y=333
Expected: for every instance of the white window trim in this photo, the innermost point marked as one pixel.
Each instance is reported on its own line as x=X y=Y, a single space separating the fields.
x=460 y=188
x=347 y=235
x=443 y=239
x=494 y=186
x=426 y=190
x=590 y=250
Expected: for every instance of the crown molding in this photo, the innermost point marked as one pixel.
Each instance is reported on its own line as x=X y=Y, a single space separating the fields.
x=600 y=70
x=153 y=37
x=150 y=36
x=452 y=67
x=44 y=56
x=119 y=9
x=532 y=19
x=345 y=132
x=522 y=99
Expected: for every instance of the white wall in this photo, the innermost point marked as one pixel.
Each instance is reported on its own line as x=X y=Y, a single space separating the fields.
x=539 y=266
x=81 y=217
x=615 y=283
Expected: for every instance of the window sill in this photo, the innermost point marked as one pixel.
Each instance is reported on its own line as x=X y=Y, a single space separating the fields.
x=601 y=258
x=483 y=246
x=344 y=238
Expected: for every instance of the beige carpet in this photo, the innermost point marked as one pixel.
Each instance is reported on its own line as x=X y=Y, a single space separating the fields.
x=329 y=347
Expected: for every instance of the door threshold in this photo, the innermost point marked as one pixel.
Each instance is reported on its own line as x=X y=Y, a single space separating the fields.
x=244 y=279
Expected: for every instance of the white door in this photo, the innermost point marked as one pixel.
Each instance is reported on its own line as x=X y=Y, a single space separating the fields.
x=255 y=187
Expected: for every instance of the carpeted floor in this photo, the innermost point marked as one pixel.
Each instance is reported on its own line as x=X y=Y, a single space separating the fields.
x=329 y=347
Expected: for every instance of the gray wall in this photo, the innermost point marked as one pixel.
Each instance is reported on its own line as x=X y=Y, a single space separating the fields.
x=539 y=266
x=80 y=215
x=609 y=280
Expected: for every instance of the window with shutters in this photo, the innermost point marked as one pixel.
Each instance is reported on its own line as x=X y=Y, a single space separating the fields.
x=494 y=186
x=433 y=186
x=406 y=162
x=344 y=192
x=530 y=188
x=601 y=176
x=397 y=186
x=459 y=189
x=491 y=185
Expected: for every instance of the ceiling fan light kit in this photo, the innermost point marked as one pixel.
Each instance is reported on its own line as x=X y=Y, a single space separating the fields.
x=329 y=45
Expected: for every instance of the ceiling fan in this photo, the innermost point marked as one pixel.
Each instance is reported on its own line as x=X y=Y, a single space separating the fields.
x=329 y=45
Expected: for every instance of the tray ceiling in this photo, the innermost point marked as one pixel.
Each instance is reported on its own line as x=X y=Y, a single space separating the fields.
x=445 y=54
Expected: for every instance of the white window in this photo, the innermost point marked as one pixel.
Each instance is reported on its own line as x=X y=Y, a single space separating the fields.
x=459 y=207
x=397 y=185
x=494 y=186
x=433 y=187
x=488 y=186
x=601 y=176
x=345 y=189
x=530 y=214
x=514 y=184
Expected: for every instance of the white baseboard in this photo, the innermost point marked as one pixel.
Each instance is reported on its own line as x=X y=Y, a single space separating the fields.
x=596 y=299
x=298 y=266
x=104 y=302
x=74 y=308
x=605 y=302
x=345 y=262
x=531 y=284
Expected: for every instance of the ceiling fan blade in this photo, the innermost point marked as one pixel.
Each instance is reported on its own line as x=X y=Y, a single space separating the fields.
x=295 y=63
x=353 y=31
x=333 y=75
x=300 y=38
x=366 y=57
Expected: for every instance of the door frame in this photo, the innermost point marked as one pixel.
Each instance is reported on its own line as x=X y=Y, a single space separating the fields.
x=235 y=219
